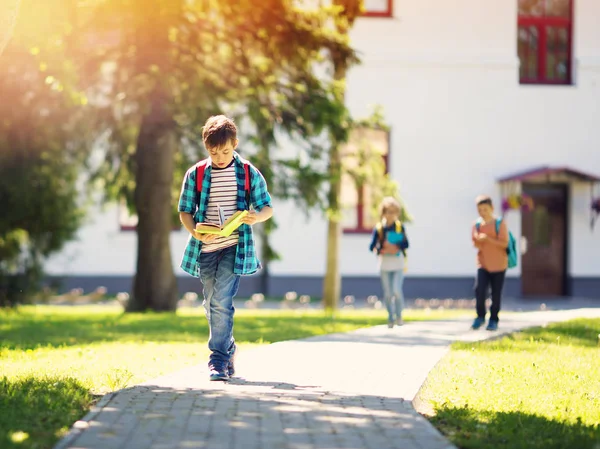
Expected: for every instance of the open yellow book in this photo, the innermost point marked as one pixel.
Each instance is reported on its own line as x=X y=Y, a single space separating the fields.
x=225 y=227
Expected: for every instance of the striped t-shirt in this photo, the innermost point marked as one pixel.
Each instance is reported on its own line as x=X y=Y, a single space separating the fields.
x=223 y=192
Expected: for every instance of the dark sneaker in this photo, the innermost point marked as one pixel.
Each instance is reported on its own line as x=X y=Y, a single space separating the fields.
x=217 y=372
x=390 y=324
x=477 y=323
x=492 y=325
x=231 y=364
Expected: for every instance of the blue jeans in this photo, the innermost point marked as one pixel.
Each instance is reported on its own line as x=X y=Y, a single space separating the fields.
x=392 y=281
x=220 y=285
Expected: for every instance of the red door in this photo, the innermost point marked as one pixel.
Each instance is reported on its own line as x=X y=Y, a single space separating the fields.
x=543 y=270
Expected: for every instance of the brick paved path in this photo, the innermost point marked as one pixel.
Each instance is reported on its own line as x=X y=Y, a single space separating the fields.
x=341 y=391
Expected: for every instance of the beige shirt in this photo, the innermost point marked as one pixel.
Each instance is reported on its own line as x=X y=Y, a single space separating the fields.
x=490 y=256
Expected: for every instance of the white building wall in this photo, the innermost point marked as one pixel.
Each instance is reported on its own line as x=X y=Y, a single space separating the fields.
x=102 y=248
x=446 y=74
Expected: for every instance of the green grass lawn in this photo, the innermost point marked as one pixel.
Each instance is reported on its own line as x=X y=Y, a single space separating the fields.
x=55 y=361
x=535 y=389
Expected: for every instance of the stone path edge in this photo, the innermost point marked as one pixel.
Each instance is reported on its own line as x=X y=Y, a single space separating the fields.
x=80 y=425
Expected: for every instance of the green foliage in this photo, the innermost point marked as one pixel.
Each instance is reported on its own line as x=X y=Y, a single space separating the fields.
x=38 y=170
x=251 y=60
x=194 y=59
x=376 y=120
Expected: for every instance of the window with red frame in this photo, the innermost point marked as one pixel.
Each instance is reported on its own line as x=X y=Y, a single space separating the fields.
x=545 y=41
x=378 y=8
x=357 y=193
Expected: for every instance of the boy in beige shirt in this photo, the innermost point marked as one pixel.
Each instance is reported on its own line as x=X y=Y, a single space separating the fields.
x=490 y=237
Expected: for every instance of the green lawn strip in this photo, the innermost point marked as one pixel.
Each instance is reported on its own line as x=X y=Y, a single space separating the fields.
x=57 y=326
x=53 y=359
x=535 y=389
x=35 y=411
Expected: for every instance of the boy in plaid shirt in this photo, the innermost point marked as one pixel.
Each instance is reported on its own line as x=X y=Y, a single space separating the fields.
x=220 y=261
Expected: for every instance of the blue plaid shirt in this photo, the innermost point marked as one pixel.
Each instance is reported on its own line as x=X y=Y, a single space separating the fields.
x=246 y=260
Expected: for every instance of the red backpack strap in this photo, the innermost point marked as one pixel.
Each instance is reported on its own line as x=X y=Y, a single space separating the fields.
x=200 y=168
x=247 y=182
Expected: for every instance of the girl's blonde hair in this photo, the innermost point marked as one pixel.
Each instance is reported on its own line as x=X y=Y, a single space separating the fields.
x=388 y=203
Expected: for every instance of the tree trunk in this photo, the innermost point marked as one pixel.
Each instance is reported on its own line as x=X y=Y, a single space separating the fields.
x=332 y=283
x=155 y=285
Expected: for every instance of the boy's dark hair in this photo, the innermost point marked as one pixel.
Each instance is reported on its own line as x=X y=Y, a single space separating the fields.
x=218 y=130
x=484 y=199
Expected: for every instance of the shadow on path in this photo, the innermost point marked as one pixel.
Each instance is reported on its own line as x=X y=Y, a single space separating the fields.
x=260 y=415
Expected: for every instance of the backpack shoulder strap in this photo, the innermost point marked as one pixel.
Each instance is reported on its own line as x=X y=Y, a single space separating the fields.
x=247 y=181
x=379 y=228
x=200 y=168
x=498 y=221
x=247 y=164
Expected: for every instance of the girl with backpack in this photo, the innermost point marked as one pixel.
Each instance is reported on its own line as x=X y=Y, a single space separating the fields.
x=390 y=243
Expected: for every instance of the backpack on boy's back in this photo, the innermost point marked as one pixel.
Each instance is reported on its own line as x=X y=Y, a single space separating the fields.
x=511 y=249
x=200 y=169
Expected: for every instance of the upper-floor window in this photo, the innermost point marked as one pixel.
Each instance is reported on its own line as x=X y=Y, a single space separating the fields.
x=545 y=41
x=365 y=164
x=378 y=8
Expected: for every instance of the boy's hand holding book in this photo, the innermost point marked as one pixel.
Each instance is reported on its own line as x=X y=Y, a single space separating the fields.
x=224 y=228
x=250 y=218
x=204 y=238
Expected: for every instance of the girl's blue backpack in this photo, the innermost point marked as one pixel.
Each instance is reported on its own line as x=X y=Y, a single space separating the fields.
x=511 y=249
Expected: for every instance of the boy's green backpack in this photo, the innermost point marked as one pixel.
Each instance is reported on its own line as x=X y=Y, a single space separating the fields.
x=511 y=249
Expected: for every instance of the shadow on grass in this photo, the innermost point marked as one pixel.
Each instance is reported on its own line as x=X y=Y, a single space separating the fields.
x=29 y=331
x=580 y=332
x=469 y=429
x=34 y=413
